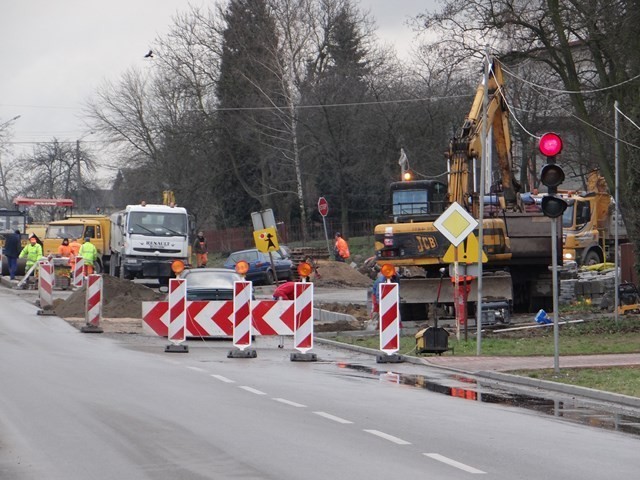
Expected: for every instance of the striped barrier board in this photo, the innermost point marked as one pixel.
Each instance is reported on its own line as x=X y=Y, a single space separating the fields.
x=93 y=304
x=389 y=317
x=45 y=288
x=78 y=272
x=177 y=310
x=303 y=335
x=215 y=318
x=242 y=314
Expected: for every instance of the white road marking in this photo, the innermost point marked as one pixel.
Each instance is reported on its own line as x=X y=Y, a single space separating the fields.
x=252 y=390
x=332 y=417
x=386 y=436
x=196 y=369
x=453 y=463
x=223 y=379
x=289 y=402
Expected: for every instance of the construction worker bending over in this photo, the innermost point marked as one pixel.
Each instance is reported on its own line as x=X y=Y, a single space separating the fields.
x=285 y=291
x=89 y=253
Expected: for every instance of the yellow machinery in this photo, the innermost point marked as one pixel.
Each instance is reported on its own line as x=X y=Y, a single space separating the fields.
x=516 y=242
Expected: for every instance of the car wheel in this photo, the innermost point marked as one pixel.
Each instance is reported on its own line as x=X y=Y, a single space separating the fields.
x=268 y=277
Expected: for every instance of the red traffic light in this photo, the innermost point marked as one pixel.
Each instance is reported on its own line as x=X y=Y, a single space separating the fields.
x=550 y=144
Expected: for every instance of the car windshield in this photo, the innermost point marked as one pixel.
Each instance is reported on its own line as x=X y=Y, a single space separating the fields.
x=248 y=256
x=205 y=279
x=157 y=223
x=65 y=231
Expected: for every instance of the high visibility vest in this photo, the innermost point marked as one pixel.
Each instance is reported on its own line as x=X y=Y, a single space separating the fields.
x=32 y=252
x=88 y=252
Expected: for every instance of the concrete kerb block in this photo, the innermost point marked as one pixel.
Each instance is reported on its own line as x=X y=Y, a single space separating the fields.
x=585 y=392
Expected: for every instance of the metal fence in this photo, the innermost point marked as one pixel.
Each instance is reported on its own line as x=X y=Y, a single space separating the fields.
x=234 y=239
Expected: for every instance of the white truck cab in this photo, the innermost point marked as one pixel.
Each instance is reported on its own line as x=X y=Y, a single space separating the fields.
x=150 y=241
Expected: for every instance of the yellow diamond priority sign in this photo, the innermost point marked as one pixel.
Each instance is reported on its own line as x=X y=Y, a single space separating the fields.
x=455 y=224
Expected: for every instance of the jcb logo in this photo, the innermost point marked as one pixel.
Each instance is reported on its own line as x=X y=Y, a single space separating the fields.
x=426 y=243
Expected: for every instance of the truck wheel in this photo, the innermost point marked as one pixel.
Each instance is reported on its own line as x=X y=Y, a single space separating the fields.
x=592 y=258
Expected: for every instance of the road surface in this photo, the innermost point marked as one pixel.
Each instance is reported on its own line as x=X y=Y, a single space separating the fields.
x=90 y=406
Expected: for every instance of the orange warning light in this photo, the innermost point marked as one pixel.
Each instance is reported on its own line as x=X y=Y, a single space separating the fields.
x=242 y=267
x=388 y=270
x=304 y=269
x=177 y=266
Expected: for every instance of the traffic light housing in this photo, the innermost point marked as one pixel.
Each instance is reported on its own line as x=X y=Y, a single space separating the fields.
x=551 y=175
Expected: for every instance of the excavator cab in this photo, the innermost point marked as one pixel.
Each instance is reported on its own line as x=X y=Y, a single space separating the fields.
x=418 y=200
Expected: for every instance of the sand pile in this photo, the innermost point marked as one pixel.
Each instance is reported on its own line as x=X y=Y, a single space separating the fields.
x=120 y=299
x=338 y=274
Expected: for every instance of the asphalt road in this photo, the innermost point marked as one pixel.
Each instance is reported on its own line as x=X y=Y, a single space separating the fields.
x=89 y=406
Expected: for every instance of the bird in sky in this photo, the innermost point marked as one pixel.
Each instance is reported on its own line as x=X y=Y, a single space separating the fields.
x=149 y=55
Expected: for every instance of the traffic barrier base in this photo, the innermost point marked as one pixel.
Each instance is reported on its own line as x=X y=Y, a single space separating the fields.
x=91 y=329
x=173 y=348
x=389 y=358
x=237 y=353
x=303 y=357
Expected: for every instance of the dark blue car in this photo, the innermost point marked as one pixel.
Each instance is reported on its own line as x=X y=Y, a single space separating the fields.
x=260 y=271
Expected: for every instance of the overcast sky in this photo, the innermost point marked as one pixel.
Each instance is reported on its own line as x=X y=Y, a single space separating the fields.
x=54 y=53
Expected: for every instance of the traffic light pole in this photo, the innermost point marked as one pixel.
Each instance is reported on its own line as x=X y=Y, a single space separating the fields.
x=554 y=277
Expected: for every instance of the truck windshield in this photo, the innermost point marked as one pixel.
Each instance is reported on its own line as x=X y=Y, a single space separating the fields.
x=410 y=202
x=9 y=222
x=157 y=223
x=64 y=231
x=567 y=216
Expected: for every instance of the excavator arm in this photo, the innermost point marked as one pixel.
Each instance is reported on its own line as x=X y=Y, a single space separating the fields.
x=467 y=145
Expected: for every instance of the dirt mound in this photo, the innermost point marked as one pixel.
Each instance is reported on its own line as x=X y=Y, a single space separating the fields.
x=121 y=299
x=331 y=274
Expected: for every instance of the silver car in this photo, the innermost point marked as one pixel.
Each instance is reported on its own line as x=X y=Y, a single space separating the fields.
x=210 y=283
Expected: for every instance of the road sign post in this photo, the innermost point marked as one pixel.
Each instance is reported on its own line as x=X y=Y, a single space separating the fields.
x=323 y=208
x=457 y=225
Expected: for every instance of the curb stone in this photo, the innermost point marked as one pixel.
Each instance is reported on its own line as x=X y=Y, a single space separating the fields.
x=575 y=390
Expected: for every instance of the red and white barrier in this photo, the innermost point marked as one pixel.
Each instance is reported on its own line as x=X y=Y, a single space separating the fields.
x=303 y=301
x=177 y=310
x=242 y=314
x=389 y=317
x=215 y=318
x=93 y=301
x=78 y=272
x=45 y=285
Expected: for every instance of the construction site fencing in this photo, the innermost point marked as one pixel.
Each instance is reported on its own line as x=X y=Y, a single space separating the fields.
x=241 y=238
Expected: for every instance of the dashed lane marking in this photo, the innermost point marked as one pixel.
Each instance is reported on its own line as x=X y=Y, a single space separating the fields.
x=453 y=463
x=386 y=436
x=252 y=390
x=289 y=402
x=223 y=379
x=196 y=369
x=332 y=417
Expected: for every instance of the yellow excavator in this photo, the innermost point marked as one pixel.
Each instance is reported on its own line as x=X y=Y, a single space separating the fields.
x=516 y=241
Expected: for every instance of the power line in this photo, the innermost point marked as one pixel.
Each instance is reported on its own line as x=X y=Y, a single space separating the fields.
x=570 y=92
